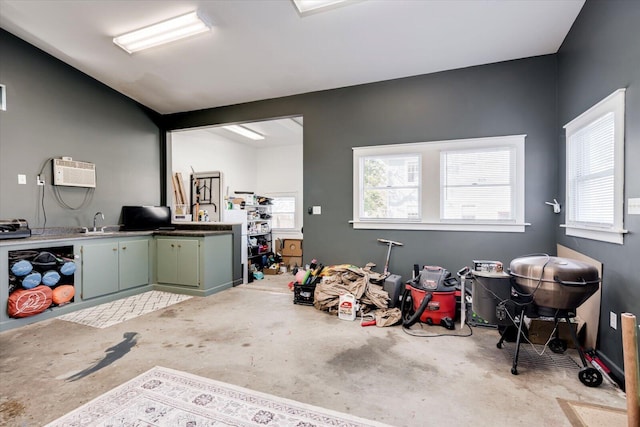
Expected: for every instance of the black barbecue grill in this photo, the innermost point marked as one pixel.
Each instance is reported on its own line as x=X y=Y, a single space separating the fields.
x=553 y=287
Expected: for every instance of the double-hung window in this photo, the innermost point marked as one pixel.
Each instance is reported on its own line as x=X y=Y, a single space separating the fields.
x=478 y=184
x=283 y=211
x=471 y=185
x=595 y=171
x=390 y=187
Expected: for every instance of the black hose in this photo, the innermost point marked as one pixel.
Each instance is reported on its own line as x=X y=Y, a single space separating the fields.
x=407 y=323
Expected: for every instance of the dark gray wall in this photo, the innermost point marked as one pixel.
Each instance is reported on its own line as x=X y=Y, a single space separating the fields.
x=600 y=55
x=53 y=111
x=516 y=97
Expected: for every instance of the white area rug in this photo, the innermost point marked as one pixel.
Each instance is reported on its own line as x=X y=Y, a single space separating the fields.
x=112 y=313
x=166 y=397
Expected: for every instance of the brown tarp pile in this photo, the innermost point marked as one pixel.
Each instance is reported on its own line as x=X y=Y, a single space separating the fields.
x=358 y=282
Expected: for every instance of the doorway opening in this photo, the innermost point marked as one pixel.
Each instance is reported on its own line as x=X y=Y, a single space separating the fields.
x=216 y=167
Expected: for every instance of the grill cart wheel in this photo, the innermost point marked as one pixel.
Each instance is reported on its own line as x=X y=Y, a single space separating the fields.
x=558 y=346
x=590 y=377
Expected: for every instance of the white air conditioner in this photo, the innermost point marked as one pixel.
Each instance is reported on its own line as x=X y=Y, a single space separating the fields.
x=73 y=173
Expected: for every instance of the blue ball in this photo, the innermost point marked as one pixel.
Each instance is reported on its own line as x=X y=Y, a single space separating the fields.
x=68 y=268
x=32 y=280
x=21 y=268
x=50 y=278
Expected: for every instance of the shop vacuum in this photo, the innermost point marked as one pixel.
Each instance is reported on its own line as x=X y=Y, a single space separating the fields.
x=430 y=298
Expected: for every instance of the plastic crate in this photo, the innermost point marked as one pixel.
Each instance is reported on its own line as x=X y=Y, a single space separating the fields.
x=303 y=294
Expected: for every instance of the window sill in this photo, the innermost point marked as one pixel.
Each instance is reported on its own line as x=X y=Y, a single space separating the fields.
x=609 y=236
x=439 y=226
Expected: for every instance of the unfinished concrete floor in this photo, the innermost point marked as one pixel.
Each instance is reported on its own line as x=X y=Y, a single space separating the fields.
x=255 y=337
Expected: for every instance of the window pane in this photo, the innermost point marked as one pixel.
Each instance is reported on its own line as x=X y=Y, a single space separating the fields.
x=391 y=203
x=283 y=212
x=595 y=198
x=478 y=203
x=390 y=187
x=478 y=184
x=283 y=220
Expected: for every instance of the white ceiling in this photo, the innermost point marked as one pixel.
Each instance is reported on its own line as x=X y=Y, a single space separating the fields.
x=261 y=49
x=277 y=132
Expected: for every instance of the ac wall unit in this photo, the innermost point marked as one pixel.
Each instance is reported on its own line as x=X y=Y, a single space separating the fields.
x=72 y=173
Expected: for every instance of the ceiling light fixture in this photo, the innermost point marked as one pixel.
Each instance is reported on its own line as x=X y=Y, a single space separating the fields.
x=309 y=6
x=247 y=133
x=163 y=32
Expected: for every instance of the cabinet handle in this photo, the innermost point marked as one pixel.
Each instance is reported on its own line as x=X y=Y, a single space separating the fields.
x=179 y=246
x=172 y=245
x=124 y=247
x=114 y=249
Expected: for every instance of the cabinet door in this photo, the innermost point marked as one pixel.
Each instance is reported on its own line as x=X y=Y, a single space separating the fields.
x=134 y=263
x=167 y=260
x=99 y=269
x=188 y=263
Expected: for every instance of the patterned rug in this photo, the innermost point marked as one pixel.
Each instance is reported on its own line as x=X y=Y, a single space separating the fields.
x=166 y=397
x=114 y=312
x=582 y=414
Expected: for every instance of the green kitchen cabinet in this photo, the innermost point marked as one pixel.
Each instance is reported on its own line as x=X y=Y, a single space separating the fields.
x=133 y=263
x=178 y=261
x=113 y=265
x=196 y=266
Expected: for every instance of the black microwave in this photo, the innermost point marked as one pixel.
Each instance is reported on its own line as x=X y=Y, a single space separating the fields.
x=139 y=218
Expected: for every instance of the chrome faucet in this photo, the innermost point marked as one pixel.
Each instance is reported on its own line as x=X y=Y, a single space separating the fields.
x=94 y=219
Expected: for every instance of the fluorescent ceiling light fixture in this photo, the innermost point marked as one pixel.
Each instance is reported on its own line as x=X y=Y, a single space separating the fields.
x=247 y=133
x=163 y=32
x=307 y=6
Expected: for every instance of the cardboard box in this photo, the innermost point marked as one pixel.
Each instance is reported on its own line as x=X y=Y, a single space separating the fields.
x=271 y=271
x=292 y=247
x=540 y=330
x=292 y=261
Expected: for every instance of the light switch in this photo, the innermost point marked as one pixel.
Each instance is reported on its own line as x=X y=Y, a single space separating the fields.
x=22 y=179
x=317 y=210
x=633 y=206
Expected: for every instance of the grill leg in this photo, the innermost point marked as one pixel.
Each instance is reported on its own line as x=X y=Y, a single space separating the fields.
x=514 y=367
x=574 y=337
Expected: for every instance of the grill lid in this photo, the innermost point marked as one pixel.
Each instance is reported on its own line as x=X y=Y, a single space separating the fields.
x=565 y=271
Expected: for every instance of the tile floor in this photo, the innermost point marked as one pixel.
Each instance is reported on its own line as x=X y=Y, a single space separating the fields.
x=112 y=313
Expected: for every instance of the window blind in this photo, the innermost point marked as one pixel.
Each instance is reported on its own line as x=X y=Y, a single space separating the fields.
x=477 y=184
x=590 y=172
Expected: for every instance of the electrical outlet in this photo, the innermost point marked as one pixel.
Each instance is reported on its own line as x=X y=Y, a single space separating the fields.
x=39 y=180
x=613 y=320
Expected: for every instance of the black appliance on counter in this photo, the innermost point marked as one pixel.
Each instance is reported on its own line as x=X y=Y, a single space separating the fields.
x=14 y=229
x=139 y=218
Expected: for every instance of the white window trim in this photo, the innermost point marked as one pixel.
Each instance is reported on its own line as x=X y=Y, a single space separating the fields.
x=518 y=225
x=615 y=234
